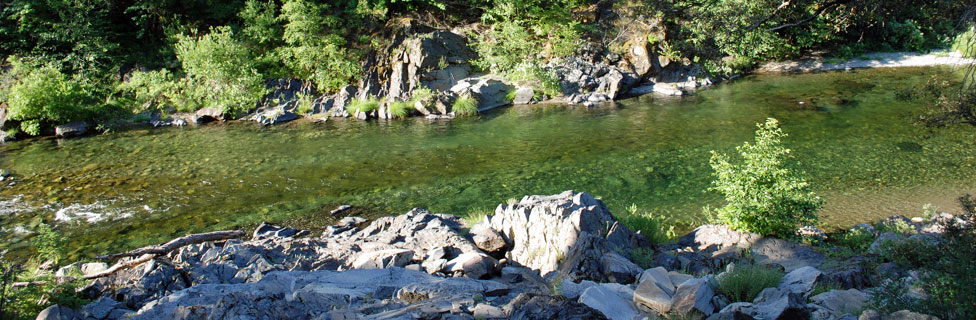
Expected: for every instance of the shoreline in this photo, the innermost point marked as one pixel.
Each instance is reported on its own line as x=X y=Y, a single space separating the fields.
x=869 y=60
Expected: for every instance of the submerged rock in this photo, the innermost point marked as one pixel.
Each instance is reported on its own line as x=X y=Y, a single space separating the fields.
x=72 y=129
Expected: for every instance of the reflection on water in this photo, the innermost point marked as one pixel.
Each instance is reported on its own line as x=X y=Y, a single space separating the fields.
x=851 y=135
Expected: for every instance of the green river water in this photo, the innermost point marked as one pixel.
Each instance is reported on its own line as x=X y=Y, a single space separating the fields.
x=131 y=188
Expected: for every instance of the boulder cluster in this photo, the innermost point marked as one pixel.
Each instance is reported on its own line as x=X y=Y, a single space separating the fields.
x=562 y=256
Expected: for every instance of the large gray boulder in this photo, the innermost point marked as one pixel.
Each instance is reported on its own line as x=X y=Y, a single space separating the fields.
x=693 y=295
x=612 y=300
x=58 y=312
x=71 y=129
x=787 y=254
x=572 y=233
x=835 y=304
x=655 y=291
x=527 y=306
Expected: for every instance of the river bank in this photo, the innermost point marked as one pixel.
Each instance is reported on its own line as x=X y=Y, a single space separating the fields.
x=560 y=256
x=870 y=60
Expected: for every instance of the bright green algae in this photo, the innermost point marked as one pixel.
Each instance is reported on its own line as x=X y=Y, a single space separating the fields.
x=857 y=141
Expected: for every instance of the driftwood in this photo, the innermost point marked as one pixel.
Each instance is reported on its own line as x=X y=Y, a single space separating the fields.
x=27 y=284
x=148 y=253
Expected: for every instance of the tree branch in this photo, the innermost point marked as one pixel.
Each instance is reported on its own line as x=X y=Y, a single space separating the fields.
x=177 y=243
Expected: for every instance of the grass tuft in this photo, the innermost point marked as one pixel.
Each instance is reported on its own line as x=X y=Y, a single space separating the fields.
x=367 y=105
x=465 y=105
x=745 y=281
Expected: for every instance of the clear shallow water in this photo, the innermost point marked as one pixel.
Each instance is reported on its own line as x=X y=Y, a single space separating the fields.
x=127 y=189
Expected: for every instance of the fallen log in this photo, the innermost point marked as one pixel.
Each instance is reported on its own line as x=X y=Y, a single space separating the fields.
x=148 y=253
x=177 y=243
x=27 y=284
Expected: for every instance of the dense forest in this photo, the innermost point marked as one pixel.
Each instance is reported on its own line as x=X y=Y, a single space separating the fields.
x=98 y=60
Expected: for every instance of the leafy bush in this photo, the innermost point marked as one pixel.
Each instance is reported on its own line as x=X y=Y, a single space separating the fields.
x=857 y=239
x=744 y=282
x=27 y=301
x=156 y=90
x=897 y=226
x=651 y=226
x=304 y=104
x=465 y=105
x=221 y=71
x=643 y=256
x=764 y=194
x=44 y=96
x=314 y=49
x=907 y=34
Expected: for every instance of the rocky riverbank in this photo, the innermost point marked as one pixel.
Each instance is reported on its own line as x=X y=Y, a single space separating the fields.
x=545 y=257
x=870 y=60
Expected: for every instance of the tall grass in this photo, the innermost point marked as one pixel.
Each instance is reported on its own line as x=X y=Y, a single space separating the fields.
x=367 y=105
x=465 y=105
x=651 y=226
x=401 y=109
x=744 y=282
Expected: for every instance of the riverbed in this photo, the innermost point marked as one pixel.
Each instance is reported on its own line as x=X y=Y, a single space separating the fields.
x=855 y=139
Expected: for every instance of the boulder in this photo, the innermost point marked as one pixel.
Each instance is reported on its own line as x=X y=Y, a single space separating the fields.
x=58 y=312
x=383 y=259
x=612 y=300
x=718 y=238
x=265 y=230
x=472 y=265
x=800 y=280
x=777 y=304
x=490 y=93
x=273 y=116
x=101 y=308
x=486 y=238
x=834 y=304
x=908 y=315
x=207 y=114
x=659 y=276
x=571 y=232
x=523 y=95
x=789 y=255
x=694 y=294
x=735 y=311
x=529 y=306
x=651 y=296
x=71 y=129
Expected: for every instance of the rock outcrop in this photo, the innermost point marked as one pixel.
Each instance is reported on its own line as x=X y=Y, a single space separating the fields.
x=571 y=234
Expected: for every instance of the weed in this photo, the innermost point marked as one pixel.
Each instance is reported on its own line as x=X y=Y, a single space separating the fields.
x=744 y=282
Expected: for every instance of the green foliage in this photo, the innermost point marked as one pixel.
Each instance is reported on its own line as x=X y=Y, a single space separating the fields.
x=907 y=34
x=315 y=49
x=744 y=282
x=304 y=102
x=401 y=109
x=221 y=71
x=764 y=194
x=965 y=43
x=465 y=105
x=898 y=226
x=44 y=96
x=651 y=226
x=49 y=243
x=475 y=216
x=643 y=256
x=857 y=239
x=909 y=253
x=968 y=203
x=155 y=90
x=367 y=105
x=26 y=302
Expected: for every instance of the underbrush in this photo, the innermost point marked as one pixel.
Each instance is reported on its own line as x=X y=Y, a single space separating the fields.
x=29 y=287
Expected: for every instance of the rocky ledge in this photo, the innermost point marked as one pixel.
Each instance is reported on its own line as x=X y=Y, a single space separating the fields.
x=545 y=257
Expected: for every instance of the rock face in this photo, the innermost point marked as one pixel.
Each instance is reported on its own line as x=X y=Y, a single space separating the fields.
x=789 y=255
x=71 y=129
x=570 y=233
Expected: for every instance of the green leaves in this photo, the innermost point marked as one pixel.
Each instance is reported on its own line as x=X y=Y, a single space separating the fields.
x=764 y=194
x=43 y=95
x=221 y=70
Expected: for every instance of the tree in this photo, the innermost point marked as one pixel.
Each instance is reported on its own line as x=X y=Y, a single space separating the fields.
x=765 y=194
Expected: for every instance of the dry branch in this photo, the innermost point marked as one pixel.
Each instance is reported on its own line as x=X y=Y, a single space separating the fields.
x=177 y=243
x=148 y=253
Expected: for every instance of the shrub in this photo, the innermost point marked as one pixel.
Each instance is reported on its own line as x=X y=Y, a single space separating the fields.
x=744 y=282
x=764 y=194
x=304 y=104
x=314 y=49
x=155 y=90
x=643 y=256
x=651 y=226
x=856 y=239
x=27 y=301
x=44 y=96
x=465 y=105
x=221 y=71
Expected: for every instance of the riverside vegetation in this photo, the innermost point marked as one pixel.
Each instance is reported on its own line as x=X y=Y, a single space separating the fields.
x=133 y=57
